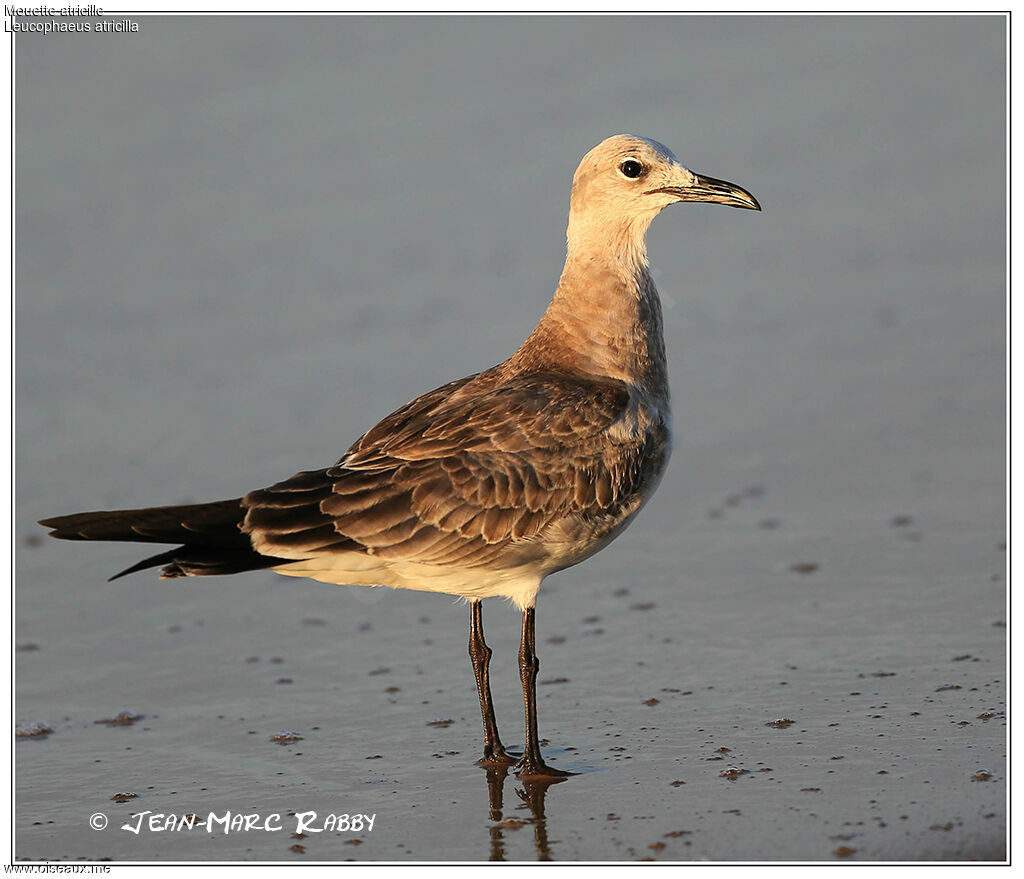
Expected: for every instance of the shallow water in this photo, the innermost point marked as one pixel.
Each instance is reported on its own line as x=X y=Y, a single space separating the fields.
x=240 y=242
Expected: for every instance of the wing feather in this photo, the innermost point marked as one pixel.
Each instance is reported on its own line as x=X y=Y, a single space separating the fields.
x=459 y=475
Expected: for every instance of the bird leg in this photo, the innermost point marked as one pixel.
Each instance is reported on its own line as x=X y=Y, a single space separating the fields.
x=480 y=654
x=531 y=764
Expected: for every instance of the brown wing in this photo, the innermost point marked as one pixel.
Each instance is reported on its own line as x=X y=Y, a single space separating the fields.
x=454 y=478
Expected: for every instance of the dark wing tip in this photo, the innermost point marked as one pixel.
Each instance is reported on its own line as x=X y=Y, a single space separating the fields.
x=151 y=562
x=59 y=528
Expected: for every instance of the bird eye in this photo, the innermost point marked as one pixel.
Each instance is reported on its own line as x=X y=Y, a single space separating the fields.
x=631 y=168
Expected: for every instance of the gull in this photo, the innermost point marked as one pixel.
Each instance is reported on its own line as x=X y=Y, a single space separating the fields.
x=486 y=485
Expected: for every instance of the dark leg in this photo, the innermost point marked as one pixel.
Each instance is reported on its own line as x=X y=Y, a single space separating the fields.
x=531 y=764
x=480 y=653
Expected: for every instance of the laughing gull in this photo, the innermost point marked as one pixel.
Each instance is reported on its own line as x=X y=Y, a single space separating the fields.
x=485 y=486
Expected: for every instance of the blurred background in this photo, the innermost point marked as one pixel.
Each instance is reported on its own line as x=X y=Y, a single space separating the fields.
x=242 y=241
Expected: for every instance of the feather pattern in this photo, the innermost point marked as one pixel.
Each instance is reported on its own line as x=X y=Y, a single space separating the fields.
x=475 y=471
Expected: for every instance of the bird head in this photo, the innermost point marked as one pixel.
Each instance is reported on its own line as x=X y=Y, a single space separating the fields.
x=623 y=183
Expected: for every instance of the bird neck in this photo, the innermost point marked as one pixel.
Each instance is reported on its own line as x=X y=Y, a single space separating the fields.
x=605 y=318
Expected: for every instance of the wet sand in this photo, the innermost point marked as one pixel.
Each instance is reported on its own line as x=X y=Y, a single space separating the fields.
x=242 y=242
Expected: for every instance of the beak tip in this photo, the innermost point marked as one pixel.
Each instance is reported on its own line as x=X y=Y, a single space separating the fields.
x=724 y=192
x=746 y=200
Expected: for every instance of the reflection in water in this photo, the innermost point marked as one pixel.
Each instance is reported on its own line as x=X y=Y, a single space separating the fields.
x=532 y=792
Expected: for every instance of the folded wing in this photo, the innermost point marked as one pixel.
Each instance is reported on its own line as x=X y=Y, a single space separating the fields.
x=455 y=479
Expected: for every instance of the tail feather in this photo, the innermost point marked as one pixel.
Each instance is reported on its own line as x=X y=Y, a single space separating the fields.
x=210 y=534
x=163 y=558
x=214 y=524
x=202 y=561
